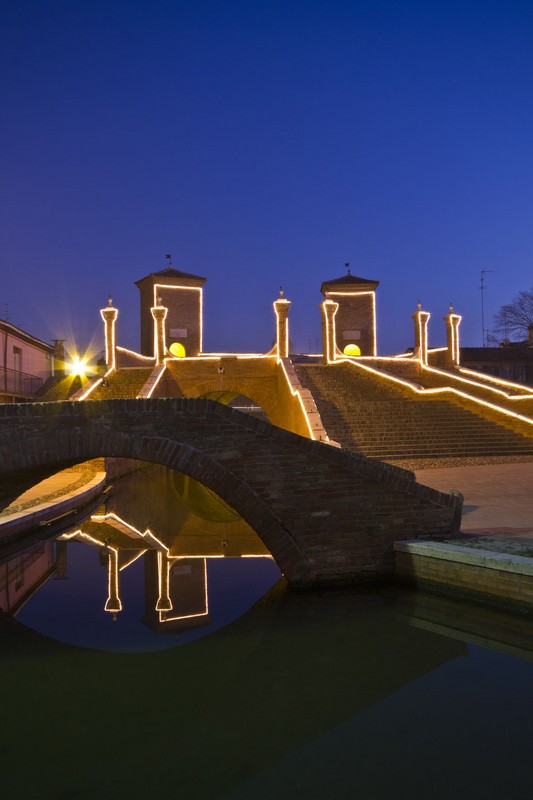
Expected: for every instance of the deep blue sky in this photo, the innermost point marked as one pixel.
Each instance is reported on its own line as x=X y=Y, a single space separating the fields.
x=264 y=144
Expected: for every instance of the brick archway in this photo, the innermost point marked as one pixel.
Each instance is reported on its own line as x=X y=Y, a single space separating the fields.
x=327 y=516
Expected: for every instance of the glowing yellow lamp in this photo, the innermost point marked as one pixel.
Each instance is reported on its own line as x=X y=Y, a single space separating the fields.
x=78 y=366
x=177 y=350
x=352 y=350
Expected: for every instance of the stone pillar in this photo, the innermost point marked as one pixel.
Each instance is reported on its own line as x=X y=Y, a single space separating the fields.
x=109 y=315
x=453 y=357
x=329 y=347
x=113 y=602
x=281 y=307
x=164 y=603
x=421 y=334
x=159 y=314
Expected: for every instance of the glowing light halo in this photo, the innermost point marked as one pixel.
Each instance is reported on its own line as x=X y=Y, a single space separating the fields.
x=177 y=350
x=78 y=366
x=352 y=350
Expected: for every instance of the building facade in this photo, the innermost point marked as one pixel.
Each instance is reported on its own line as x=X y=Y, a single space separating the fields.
x=25 y=363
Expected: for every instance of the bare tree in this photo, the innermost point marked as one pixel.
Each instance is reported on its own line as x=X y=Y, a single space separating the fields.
x=513 y=319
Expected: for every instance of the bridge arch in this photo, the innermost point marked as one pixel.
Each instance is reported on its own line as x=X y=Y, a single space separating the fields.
x=327 y=516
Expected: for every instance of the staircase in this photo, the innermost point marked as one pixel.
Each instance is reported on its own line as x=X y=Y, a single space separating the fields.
x=373 y=416
x=122 y=383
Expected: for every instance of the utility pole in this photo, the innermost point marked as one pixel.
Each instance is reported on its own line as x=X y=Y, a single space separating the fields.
x=482 y=289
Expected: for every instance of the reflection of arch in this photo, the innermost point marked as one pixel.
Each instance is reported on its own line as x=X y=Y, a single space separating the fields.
x=203 y=502
x=177 y=350
x=352 y=350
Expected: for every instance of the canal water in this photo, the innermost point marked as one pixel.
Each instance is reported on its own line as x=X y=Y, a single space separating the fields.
x=156 y=649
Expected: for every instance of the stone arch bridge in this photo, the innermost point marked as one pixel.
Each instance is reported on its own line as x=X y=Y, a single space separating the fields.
x=328 y=516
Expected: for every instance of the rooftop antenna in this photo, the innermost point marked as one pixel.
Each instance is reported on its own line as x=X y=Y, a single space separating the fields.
x=482 y=289
x=6 y=317
x=347 y=265
x=169 y=259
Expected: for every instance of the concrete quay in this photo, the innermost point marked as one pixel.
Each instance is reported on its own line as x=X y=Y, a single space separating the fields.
x=491 y=560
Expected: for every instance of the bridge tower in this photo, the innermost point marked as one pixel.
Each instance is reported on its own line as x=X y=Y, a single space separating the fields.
x=355 y=319
x=182 y=294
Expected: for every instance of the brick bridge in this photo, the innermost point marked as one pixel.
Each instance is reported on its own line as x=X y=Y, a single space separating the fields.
x=327 y=515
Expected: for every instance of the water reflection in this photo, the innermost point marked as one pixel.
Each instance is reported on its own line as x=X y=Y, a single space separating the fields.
x=371 y=694
x=157 y=542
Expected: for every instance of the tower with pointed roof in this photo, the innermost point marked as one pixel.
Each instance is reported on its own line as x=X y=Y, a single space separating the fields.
x=182 y=294
x=355 y=320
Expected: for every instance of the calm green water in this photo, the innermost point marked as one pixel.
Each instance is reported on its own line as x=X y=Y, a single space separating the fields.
x=268 y=694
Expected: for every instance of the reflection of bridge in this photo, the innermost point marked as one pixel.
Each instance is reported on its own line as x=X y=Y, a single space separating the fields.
x=326 y=515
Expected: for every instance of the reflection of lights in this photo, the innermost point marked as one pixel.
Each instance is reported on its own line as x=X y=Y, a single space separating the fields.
x=184 y=616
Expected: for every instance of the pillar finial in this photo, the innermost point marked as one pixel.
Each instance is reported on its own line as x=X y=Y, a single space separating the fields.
x=110 y=301
x=347 y=265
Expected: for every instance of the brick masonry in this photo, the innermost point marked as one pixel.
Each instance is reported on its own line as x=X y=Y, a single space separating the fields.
x=327 y=516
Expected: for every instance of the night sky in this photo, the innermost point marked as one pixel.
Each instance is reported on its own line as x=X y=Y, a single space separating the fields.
x=264 y=144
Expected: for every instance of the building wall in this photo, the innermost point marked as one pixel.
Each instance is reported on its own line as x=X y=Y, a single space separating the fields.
x=22 y=355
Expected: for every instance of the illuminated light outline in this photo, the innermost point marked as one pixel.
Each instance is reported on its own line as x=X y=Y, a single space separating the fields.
x=133 y=353
x=527 y=392
x=453 y=321
x=374 y=321
x=112 y=576
x=422 y=335
x=296 y=393
x=439 y=389
x=111 y=329
x=206 y=596
x=478 y=384
x=217 y=356
x=90 y=389
x=159 y=333
x=279 y=301
x=80 y=534
x=146 y=535
x=328 y=304
x=132 y=560
x=189 y=288
x=160 y=584
x=162 y=367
